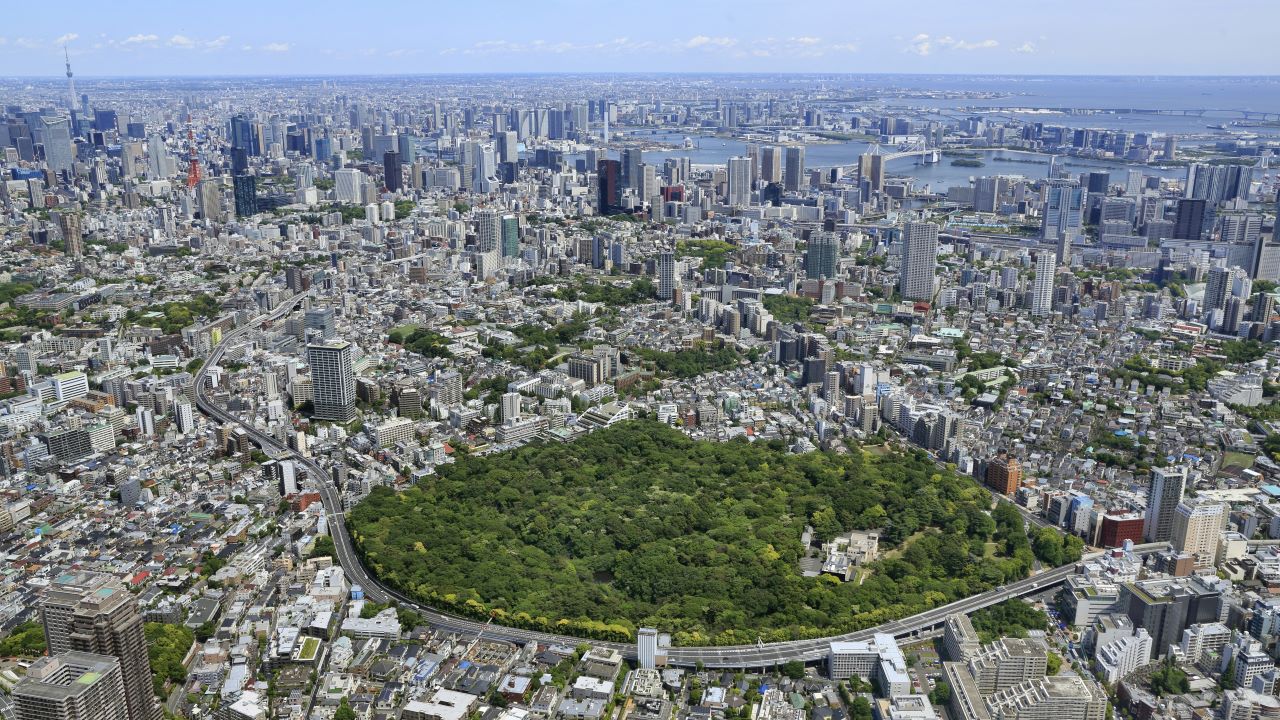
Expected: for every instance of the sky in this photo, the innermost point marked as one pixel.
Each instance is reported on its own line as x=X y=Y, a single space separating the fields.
x=271 y=37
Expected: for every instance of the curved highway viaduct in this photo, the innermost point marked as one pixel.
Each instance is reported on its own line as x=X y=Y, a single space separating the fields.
x=762 y=655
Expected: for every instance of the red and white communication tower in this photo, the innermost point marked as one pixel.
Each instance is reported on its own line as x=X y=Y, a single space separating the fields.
x=193 y=162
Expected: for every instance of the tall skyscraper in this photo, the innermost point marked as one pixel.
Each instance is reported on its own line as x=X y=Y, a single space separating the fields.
x=159 y=164
x=666 y=275
x=96 y=613
x=1217 y=289
x=72 y=686
x=243 y=135
x=739 y=191
x=608 y=189
x=822 y=256
x=919 y=261
x=1189 y=224
x=72 y=236
x=793 y=173
x=771 y=164
x=55 y=135
x=1168 y=485
x=347 y=184
x=510 y=236
x=488 y=230
x=245 y=188
x=1063 y=209
x=333 y=382
x=1042 y=289
x=631 y=160
x=986 y=194
x=871 y=170
x=391 y=171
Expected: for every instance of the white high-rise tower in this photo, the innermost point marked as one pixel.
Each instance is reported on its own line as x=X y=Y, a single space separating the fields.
x=1042 y=289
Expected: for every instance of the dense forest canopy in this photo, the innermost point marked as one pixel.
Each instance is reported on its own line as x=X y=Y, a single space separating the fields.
x=639 y=525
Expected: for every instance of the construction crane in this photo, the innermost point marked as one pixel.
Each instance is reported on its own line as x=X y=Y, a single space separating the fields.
x=193 y=162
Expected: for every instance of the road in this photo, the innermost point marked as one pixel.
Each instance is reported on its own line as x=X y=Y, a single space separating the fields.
x=739 y=656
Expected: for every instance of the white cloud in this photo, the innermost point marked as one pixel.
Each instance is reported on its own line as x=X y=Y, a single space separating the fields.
x=246 y=48
x=923 y=44
x=449 y=51
x=64 y=39
x=1026 y=48
x=920 y=45
x=845 y=47
x=980 y=45
x=26 y=43
x=217 y=43
x=139 y=39
x=181 y=41
x=276 y=47
x=4 y=40
x=698 y=41
x=806 y=40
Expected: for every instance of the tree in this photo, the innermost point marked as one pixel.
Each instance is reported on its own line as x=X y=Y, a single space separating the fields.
x=26 y=640
x=860 y=709
x=793 y=669
x=1053 y=663
x=344 y=711
x=1169 y=679
x=323 y=547
x=1228 y=679
x=941 y=693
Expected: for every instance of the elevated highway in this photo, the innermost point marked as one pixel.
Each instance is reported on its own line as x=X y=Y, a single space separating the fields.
x=761 y=655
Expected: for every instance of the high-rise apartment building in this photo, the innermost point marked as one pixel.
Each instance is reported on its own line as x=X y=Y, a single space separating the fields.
x=1168 y=484
x=488 y=230
x=666 y=275
x=333 y=381
x=1042 y=288
x=96 y=613
x=739 y=186
x=72 y=686
x=72 y=236
x=919 y=261
x=822 y=257
x=1004 y=474
x=1196 y=528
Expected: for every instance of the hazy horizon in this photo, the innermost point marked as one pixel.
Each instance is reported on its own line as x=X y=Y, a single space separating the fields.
x=236 y=37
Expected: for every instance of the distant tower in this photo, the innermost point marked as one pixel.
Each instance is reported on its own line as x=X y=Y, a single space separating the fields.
x=71 y=82
x=193 y=166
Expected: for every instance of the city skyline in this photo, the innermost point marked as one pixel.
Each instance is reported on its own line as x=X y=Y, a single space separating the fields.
x=573 y=36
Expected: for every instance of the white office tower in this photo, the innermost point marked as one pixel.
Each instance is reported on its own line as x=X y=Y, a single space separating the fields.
x=333 y=382
x=647 y=648
x=159 y=164
x=510 y=406
x=55 y=133
x=666 y=275
x=919 y=261
x=739 y=190
x=347 y=185
x=1063 y=209
x=488 y=230
x=1168 y=485
x=1042 y=289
